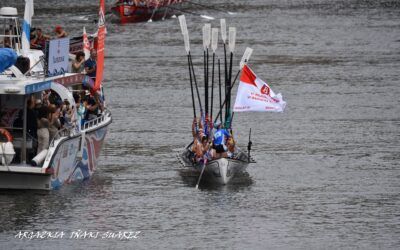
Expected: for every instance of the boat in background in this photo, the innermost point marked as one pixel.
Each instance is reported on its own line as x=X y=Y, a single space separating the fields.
x=143 y=11
x=76 y=43
x=73 y=153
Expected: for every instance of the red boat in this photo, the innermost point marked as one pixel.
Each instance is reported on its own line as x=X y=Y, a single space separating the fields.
x=143 y=11
x=76 y=43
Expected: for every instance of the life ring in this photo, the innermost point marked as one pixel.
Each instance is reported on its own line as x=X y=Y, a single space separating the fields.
x=6 y=134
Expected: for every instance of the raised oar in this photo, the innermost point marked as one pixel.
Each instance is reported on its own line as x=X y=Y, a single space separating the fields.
x=214 y=45
x=232 y=43
x=223 y=36
x=192 y=13
x=206 y=45
x=219 y=83
x=185 y=33
x=211 y=8
x=244 y=61
x=195 y=84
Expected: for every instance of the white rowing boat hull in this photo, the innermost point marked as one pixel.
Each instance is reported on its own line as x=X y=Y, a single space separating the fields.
x=220 y=171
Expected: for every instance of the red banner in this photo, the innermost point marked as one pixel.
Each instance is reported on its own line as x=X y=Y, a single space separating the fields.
x=101 y=35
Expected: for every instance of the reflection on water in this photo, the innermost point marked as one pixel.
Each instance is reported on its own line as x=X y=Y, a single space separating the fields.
x=190 y=178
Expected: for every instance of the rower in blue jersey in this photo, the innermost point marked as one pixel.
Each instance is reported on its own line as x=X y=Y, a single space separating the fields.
x=221 y=136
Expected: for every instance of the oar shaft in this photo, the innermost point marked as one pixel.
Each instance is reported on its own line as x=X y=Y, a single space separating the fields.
x=223 y=104
x=228 y=104
x=191 y=87
x=212 y=87
x=205 y=83
x=220 y=90
x=195 y=83
x=226 y=80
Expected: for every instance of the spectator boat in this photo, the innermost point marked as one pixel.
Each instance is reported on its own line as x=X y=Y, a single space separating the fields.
x=143 y=11
x=73 y=153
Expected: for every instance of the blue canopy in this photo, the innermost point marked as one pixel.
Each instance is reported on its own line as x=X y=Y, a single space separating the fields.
x=8 y=57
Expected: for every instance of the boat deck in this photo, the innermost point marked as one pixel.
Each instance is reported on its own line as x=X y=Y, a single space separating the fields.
x=23 y=169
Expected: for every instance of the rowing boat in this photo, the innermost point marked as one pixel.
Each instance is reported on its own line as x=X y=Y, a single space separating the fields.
x=219 y=171
x=143 y=11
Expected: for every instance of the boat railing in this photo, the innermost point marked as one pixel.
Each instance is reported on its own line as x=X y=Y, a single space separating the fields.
x=64 y=132
x=96 y=121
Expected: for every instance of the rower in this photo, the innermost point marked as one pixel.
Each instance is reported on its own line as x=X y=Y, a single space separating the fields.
x=220 y=138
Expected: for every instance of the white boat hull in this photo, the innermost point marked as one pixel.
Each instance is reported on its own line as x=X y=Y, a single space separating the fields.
x=64 y=163
x=24 y=180
x=220 y=171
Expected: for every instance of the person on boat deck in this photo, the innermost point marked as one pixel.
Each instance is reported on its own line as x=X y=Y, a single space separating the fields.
x=43 y=129
x=31 y=118
x=78 y=65
x=91 y=106
x=201 y=144
x=54 y=120
x=221 y=136
x=60 y=32
x=39 y=42
x=231 y=145
x=90 y=65
x=80 y=110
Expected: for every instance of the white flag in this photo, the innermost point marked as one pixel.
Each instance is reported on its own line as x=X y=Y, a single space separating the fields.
x=255 y=95
x=26 y=26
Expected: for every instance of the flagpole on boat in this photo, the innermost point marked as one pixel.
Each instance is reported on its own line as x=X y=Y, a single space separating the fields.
x=214 y=45
x=243 y=62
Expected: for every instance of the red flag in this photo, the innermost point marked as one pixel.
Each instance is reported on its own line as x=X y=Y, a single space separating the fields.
x=101 y=35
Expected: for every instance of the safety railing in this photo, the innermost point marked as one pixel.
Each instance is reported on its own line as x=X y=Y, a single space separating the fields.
x=94 y=122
